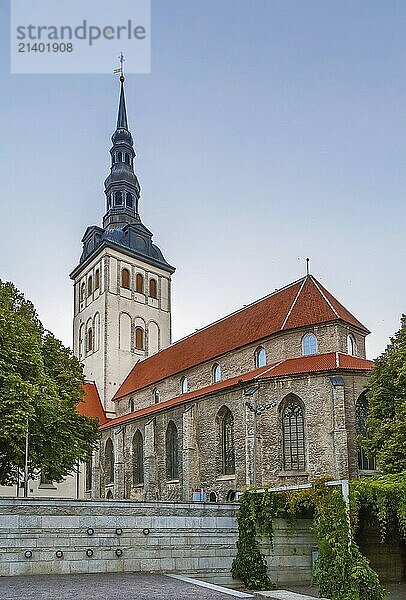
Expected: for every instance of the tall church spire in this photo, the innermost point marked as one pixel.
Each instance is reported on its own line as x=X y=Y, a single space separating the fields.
x=122 y=187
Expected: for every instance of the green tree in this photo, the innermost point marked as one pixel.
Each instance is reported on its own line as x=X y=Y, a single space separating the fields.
x=41 y=383
x=387 y=406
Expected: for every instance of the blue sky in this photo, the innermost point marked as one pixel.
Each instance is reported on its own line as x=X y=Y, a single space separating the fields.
x=267 y=131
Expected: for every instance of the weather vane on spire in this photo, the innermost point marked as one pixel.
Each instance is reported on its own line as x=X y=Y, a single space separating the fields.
x=121 y=68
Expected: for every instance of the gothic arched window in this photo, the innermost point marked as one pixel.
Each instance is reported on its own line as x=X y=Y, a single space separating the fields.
x=89 y=339
x=260 y=357
x=184 y=385
x=89 y=286
x=97 y=279
x=293 y=436
x=118 y=198
x=156 y=395
x=216 y=373
x=365 y=462
x=153 y=288
x=350 y=345
x=125 y=279
x=172 y=452
x=109 y=462
x=309 y=344
x=138 y=458
x=139 y=283
x=119 y=157
x=139 y=338
x=127 y=158
x=129 y=200
x=89 y=482
x=226 y=421
x=131 y=405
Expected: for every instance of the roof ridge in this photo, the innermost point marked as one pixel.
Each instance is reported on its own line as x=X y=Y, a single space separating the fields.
x=231 y=314
x=294 y=303
x=316 y=283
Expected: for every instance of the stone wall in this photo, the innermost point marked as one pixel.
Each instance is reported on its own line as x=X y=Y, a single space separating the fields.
x=192 y=539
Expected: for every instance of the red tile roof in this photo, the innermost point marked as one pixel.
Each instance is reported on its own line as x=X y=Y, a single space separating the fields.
x=91 y=405
x=300 y=304
x=318 y=363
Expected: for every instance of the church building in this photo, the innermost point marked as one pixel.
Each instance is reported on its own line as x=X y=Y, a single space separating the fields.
x=272 y=394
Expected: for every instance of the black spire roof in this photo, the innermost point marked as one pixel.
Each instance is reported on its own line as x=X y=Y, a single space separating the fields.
x=122 y=227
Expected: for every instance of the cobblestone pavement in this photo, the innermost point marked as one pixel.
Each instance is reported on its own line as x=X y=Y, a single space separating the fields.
x=103 y=586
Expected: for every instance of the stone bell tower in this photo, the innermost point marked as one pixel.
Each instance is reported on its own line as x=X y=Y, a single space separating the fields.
x=122 y=284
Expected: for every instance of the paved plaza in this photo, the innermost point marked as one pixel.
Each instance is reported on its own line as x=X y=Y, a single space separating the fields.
x=107 y=586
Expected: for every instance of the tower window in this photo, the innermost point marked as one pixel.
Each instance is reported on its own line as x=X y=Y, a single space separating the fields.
x=127 y=158
x=113 y=159
x=139 y=338
x=172 y=452
x=260 y=357
x=118 y=197
x=184 y=385
x=139 y=283
x=90 y=339
x=119 y=157
x=350 y=345
x=293 y=436
x=216 y=373
x=129 y=200
x=309 y=344
x=153 y=288
x=138 y=459
x=82 y=292
x=125 y=279
x=89 y=286
x=97 y=279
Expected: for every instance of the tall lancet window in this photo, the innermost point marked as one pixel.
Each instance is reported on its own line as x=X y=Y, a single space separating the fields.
x=226 y=422
x=293 y=435
x=172 y=452
x=109 y=462
x=138 y=458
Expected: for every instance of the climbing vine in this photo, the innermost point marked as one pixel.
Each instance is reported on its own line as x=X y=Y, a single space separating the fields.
x=341 y=571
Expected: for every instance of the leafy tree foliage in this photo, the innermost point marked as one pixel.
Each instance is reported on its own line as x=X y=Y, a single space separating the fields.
x=387 y=406
x=41 y=383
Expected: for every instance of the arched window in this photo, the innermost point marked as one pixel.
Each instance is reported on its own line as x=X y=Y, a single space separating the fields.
x=216 y=373
x=260 y=357
x=129 y=200
x=213 y=497
x=156 y=396
x=138 y=459
x=127 y=158
x=89 y=286
x=350 y=345
x=172 y=452
x=184 y=385
x=309 y=344
x=365 y=462
x=119 y=157
x=82 y=291
x=139 y=338
x=293 y=436
x=153 y=290
x=139 y=283
x=125 y=279
x=118 y=198
x=226 y=421
x=131 y=405
x=109 y=495
x=97 y=279
x=89 y=482
x=109 y=462
x=90 y=339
